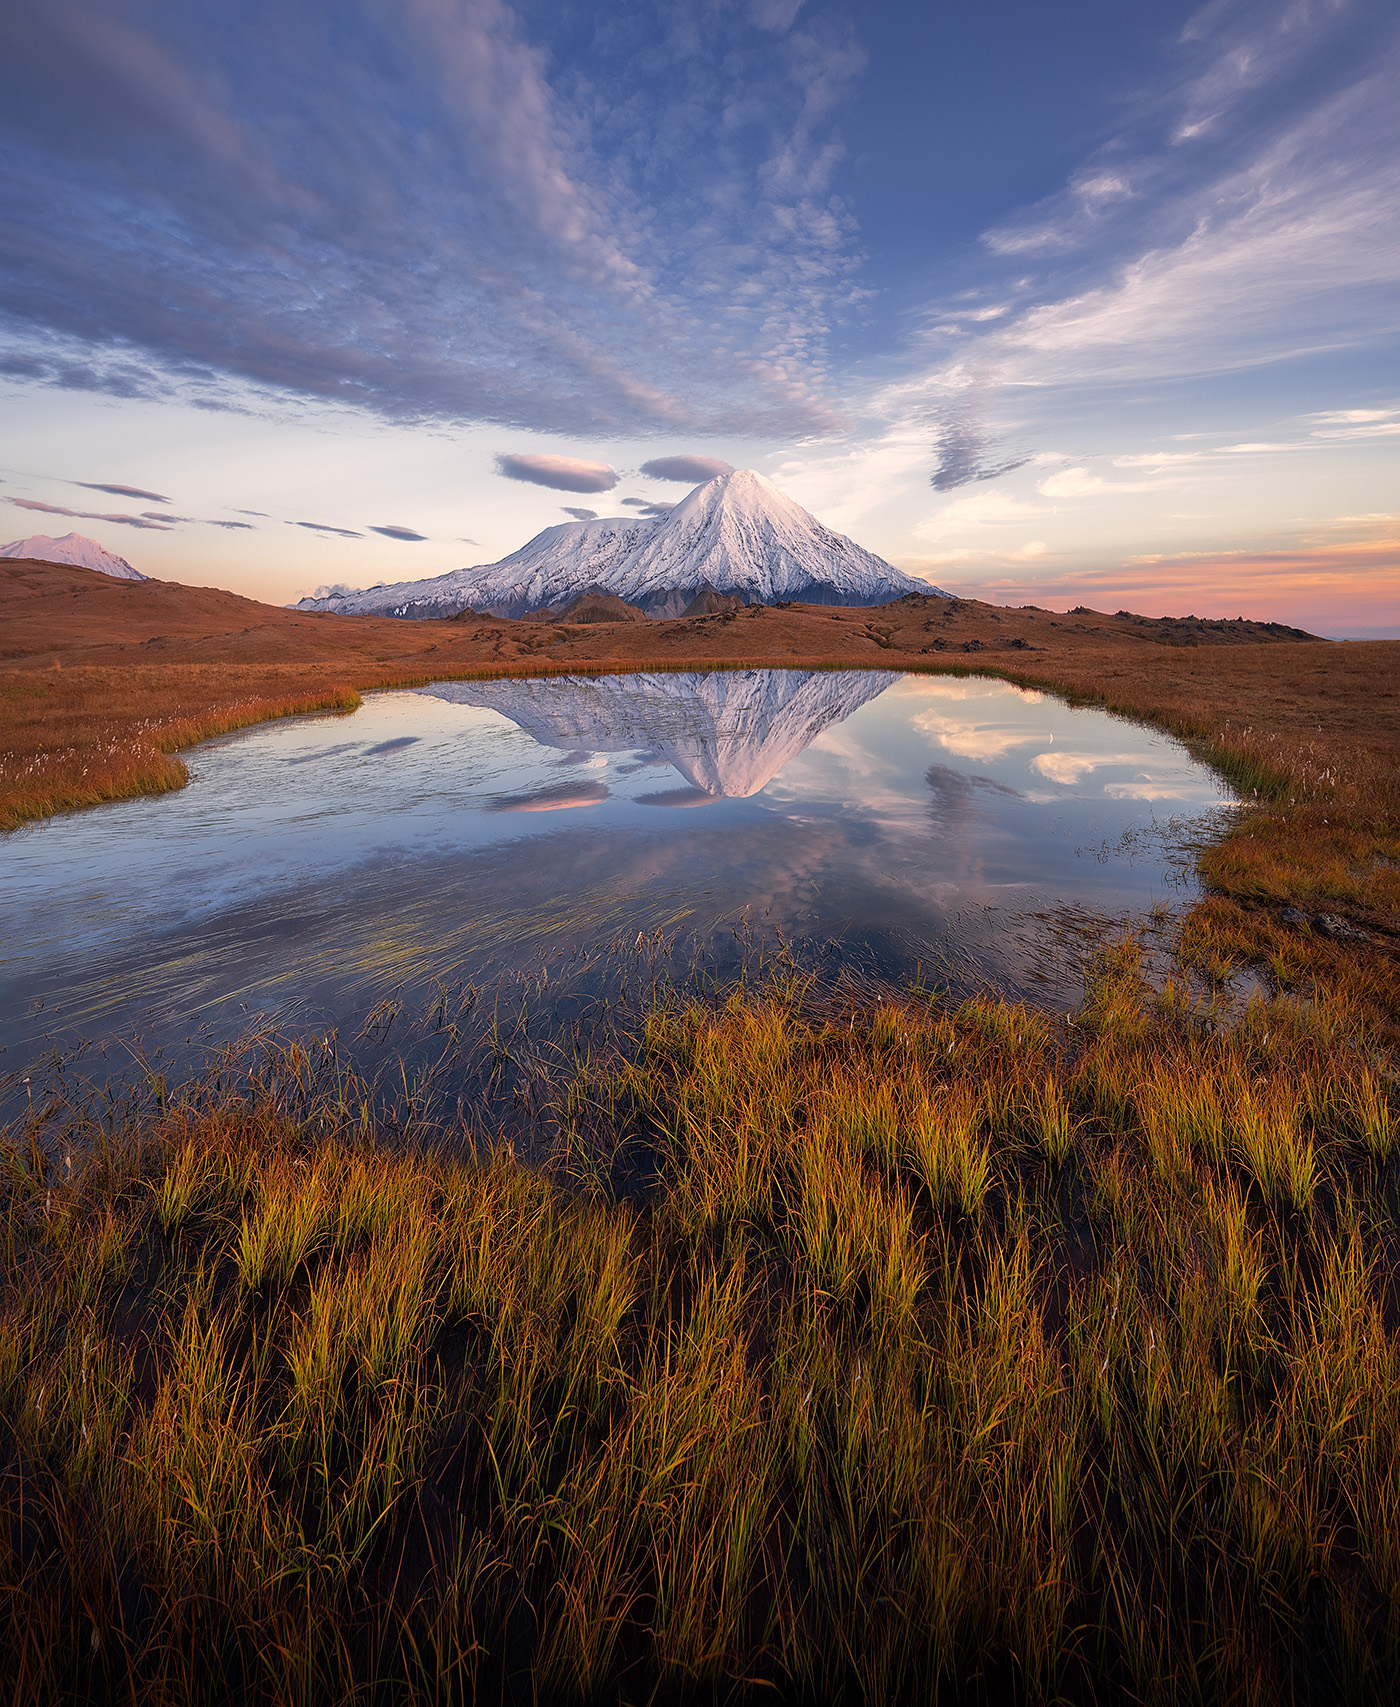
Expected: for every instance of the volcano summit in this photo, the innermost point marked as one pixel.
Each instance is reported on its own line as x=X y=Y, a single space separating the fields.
x=736 y=534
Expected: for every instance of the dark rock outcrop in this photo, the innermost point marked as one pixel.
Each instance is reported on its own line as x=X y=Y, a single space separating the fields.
x=594 y=605
x=707 y=602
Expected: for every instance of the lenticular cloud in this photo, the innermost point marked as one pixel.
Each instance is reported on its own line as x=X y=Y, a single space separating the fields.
x=563 y=473
x=692 y=469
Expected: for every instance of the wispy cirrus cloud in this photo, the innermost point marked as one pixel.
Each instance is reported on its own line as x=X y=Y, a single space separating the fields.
x=1080 y=483
x=1165 y=259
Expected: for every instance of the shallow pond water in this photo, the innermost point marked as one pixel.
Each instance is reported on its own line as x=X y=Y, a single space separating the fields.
x=913 y=824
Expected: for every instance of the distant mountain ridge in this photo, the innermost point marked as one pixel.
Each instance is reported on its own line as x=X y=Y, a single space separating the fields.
x=74 y=548
x=737 y=535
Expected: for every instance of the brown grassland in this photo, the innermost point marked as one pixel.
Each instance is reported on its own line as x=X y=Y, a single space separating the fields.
x=901 y=1350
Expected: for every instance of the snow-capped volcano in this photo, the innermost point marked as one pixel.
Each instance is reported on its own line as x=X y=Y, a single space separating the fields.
x=73 y=548
x=740 y=534
x=727 y=732
x=736 y=534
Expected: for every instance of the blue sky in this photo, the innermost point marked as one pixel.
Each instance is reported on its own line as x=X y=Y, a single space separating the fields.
x=1091 y=302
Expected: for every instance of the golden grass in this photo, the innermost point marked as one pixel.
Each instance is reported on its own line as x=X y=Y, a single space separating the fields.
x=912 y=1351
x=79 y=743
x=910 y=1348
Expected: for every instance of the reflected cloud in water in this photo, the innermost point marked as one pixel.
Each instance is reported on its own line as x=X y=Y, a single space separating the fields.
x=677 y=797
x=551 y=799
x=955 y=795
x=882 y=812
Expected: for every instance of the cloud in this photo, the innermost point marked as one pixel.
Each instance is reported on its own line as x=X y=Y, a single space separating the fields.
x=579 y=515
x=1162 y=263
x=322 y=527
x=961 y=449
x=979 y=509
x=563 y=473
x=88 y=515
x=958 y=800
x=391 y=532
x=963 y=442
x=691 y=469
x=1375 y=429
x=1147 y=791
x=677 y=797
x=976 y=740
x=238 y=512
x=122 y=491
x=562 y=797
x=1079 y=483
x=647 y=507
x=1068 y=769
x=1159 y=459
x=624 y=227
x=205 y=521
x=1287 y=251
x=1350 y=417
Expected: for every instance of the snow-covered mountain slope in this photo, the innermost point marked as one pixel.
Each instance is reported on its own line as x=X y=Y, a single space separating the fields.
x=737 y=534
x=73 y=548
x=727 y=732
x=552 y=568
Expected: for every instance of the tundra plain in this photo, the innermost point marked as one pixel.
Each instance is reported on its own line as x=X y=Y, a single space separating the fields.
x=891 y=1350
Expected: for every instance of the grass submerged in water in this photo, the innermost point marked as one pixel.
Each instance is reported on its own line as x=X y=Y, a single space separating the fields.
x=913 y=1349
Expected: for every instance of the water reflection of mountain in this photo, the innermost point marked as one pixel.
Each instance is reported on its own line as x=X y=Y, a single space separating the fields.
x=726 y=732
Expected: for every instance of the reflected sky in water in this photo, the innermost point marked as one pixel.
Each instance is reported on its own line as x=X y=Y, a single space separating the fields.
x=466 y=827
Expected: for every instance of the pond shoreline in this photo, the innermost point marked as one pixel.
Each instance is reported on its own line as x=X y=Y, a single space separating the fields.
x=904 y=1347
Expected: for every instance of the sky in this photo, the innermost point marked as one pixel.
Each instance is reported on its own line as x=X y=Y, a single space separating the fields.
x=1080 y=304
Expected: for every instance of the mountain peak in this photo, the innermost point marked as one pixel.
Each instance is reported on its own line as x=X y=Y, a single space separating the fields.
x=76 y=549
x=736 y=535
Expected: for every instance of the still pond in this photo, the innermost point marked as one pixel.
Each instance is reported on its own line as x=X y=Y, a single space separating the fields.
x=938 y=827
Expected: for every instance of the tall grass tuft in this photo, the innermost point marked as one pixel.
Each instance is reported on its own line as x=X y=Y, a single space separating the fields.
x=819 y=1353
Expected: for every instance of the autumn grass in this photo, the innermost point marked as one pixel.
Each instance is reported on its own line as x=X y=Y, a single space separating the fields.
x=905 y=1350
x=911 y=1349
x=77 y=742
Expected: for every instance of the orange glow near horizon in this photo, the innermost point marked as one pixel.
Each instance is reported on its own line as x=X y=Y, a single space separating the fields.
x=1328 y=589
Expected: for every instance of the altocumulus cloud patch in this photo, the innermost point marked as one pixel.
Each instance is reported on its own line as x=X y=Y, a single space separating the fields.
x=568 y=268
